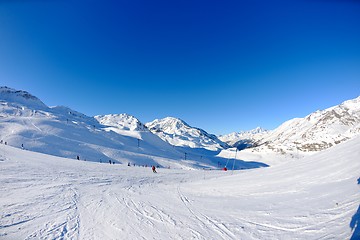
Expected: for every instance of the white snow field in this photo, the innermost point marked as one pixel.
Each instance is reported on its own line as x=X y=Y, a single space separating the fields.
x=48 y=197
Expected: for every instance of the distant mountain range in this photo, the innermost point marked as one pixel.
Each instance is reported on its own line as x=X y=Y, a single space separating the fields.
x=61 y=131
x=244 y=139
x=315 y=132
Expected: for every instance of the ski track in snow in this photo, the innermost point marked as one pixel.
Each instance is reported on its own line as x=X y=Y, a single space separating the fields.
x=46 y=197
x=205 y=221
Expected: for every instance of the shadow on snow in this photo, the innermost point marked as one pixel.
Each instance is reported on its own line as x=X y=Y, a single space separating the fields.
x=355 y=223
x=204 y=158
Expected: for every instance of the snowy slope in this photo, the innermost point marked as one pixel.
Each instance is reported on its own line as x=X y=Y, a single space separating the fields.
x=315 y=198
x=178 y=133
x=317 y=131
x=47 y=197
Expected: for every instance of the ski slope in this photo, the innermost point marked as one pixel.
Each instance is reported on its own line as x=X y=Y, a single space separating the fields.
x=48 y=197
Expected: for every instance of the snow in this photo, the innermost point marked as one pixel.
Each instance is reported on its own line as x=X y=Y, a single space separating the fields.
x=48 y=197
x=178 y=133
x=244 y=138
x=122 y=121
x=283 y=192
x=61 y=131
x=303 y=136
x=119 y=138
x=23 y=97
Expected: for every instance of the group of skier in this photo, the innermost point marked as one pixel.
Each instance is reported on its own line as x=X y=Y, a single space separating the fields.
x=153 y=168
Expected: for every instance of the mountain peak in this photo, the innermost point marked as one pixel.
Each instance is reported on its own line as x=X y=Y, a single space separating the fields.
x=178 y=133
x=353 y=105
x=121 y=121
x=20 y=97
x=169 y=125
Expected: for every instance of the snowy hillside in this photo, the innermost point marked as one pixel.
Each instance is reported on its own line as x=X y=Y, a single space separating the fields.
x=317 y=131
x=61 y=131
x=178 y=133
x=47 y=197
x=301 y=136
x=118 y=138
x=26 y=121
x=22 y=97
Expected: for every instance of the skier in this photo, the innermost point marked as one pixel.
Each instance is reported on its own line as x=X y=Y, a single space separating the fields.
x=77 y=157
x=153 y=169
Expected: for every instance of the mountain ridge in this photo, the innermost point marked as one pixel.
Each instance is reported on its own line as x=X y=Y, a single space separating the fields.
x=116 y=138
x=24 y=114
x=178 y=133
x=315 y=132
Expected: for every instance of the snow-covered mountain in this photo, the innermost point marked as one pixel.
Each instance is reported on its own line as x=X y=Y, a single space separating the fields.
x=244 y=139
x=122 y=122
x=27 y=122
x=48 y=197
x=317 y=131
x=60 y=131
x=23 y=98
x=178 y=133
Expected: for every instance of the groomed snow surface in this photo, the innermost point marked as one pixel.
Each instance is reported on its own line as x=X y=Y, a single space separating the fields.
x=47 y=197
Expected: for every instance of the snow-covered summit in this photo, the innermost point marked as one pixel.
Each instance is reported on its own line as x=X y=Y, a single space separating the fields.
x=169 y=125
x=178 y=133
x=20 y=98
x=352 y=105
x=122 y=121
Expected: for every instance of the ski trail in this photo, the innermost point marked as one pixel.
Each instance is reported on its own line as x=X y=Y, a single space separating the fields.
x=153 y=214
x=64 y=224
x=29 y=122
x=204 y=220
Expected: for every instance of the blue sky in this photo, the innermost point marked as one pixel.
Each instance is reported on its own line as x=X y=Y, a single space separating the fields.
x=223 y=66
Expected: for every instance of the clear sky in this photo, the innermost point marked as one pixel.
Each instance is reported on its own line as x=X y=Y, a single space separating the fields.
x=222 y=66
